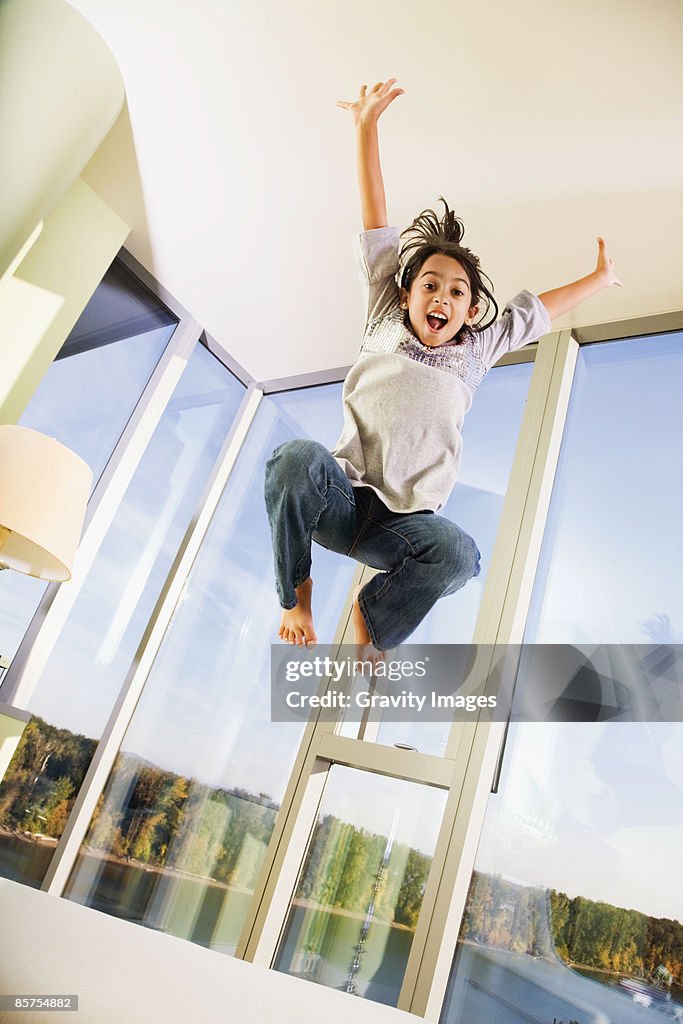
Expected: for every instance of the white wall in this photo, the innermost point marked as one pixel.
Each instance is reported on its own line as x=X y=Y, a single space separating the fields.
x=123 y=972
x=41 y=301
x=545 y=124
x=60 y=92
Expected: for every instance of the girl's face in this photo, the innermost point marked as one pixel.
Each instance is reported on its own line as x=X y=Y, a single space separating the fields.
x=439 y=301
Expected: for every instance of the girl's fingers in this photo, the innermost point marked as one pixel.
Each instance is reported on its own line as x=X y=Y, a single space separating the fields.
x=380 y=89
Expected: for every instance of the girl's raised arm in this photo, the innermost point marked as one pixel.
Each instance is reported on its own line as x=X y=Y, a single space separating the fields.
x=366 y=111
x=562 y=300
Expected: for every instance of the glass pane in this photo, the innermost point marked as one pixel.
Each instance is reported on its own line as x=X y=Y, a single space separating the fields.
x=94 y=652
x=612 y=557
x=85 y=400
x=353 y=917
x=575 y=906
x=490 y=439
x=90 y=390
x=186 y=816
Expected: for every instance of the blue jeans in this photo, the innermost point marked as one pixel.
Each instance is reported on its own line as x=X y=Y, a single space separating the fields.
x=423 y=556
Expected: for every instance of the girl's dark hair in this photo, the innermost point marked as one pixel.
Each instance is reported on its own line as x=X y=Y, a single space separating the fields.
x=429 y=235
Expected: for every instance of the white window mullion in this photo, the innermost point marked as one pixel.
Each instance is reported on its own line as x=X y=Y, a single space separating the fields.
x=293 y=826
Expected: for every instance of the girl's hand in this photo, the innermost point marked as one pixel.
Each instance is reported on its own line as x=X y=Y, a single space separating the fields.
x=605 y=267
x=562 y=300
x=370 y=105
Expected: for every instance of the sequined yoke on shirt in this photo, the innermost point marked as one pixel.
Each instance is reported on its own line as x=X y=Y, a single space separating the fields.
x=464 y=360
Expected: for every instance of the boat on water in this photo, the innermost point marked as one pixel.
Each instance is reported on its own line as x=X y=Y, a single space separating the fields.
x=644 y=992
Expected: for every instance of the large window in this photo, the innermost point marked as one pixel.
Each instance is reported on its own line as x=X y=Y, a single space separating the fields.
x=96 y=648
x=183 y=825
x=352 y=918
x=575 y=909
x=331 y=857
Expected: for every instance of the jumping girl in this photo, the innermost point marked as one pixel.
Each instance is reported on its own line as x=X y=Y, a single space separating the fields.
x=430 y=339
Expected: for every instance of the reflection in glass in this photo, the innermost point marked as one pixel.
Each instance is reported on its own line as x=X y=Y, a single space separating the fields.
x=97 y=645
x=575 y=909
x=85 y=400
x=353 y=917
x=490 y=439
x=183 y=825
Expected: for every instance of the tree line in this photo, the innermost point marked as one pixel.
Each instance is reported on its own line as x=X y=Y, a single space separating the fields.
x=351 y=868
x=156 y=817
x=41 y=782
x=590 y=933
x=151 y=816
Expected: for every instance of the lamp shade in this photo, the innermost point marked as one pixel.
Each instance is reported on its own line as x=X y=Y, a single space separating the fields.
x=44 y=490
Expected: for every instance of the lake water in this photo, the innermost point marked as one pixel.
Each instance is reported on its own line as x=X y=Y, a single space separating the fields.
x=320 y=945
x=24 y=860
x=498 y=987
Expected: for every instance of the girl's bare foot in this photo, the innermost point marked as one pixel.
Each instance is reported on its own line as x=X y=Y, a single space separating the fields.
x=296 y=626
x=365 y=651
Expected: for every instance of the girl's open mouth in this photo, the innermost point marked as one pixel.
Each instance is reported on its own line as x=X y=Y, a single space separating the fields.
x=436 y=321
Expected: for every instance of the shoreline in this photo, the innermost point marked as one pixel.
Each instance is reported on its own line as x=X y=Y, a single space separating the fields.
x=38 y=839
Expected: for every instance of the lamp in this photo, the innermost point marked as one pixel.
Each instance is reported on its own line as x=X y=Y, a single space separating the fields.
x=44 y=490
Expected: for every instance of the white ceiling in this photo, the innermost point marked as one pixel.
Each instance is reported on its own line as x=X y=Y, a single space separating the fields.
x=544 y=123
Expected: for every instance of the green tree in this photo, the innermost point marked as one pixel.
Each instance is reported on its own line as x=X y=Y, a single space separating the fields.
x=412 y=889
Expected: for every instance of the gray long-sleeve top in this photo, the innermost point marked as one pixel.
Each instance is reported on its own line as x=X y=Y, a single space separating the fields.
x=404 y=402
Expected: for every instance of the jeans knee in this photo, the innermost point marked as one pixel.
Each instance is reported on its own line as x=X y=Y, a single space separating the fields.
x=290 y=460
x=468 y=557
x=458 y=555
x=476 y=559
